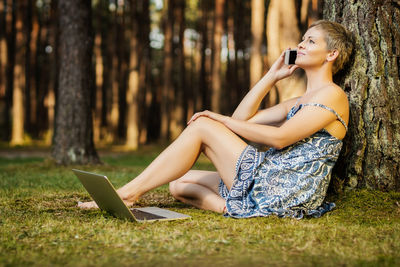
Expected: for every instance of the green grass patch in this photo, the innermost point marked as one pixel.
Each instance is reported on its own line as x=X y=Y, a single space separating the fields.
x=41 y=226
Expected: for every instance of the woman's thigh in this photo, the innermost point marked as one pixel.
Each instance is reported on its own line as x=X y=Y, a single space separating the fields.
x=221 y=146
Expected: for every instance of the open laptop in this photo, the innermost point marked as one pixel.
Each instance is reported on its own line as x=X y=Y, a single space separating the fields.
x=106 y=197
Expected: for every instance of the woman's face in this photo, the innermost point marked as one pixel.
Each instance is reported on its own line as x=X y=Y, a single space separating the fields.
x=312 y=51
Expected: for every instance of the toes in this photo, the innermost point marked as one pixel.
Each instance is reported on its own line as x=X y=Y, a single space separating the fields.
x=87 y=205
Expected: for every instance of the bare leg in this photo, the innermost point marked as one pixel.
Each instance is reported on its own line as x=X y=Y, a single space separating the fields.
x=200 y=189
x=219 y=144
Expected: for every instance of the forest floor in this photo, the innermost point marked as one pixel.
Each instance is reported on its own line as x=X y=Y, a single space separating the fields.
x=40 y=224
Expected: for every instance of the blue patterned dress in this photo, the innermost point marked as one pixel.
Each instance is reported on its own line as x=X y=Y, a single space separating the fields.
x=291 y=182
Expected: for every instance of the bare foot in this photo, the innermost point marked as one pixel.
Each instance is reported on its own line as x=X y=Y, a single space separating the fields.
x=87 y=205
x=93 y=205
x=128 y=199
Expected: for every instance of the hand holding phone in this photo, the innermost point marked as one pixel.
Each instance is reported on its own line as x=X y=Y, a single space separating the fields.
x=290 y=56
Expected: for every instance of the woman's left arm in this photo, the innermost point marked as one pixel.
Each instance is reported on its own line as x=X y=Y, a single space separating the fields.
x=307 y=121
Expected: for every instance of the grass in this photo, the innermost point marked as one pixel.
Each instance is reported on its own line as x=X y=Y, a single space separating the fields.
x=41 y=226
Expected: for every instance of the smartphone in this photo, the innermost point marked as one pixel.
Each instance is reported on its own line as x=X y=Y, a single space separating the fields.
x=290 y=56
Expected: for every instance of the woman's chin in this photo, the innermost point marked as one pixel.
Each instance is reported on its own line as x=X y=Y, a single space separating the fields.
x=299 y=63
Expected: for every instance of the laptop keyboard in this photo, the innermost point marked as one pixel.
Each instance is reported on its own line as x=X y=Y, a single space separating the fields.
x=142 y=215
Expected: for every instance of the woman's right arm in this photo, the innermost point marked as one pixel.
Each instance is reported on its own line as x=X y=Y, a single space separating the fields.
x=249 y=105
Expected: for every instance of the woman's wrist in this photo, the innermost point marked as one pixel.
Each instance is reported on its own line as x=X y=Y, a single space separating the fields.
x=226 y=120
x=271 y=77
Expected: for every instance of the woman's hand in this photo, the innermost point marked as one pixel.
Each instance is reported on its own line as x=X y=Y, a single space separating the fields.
x=208 y=114
x=279 y=70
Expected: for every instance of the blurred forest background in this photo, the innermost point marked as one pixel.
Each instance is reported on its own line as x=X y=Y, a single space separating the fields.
x=80 y=74
x=154 y=63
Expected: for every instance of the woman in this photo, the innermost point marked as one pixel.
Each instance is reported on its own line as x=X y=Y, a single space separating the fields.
x=304 y=133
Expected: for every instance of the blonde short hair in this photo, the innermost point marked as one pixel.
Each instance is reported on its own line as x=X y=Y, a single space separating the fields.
x=336 y=37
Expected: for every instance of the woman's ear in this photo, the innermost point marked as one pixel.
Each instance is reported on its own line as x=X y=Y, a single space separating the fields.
x=333 y=54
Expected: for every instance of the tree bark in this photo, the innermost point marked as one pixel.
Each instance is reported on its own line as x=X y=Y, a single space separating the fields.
x=73 y=140
x=371 y=153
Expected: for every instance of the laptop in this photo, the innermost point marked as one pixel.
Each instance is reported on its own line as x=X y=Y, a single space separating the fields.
x=106 y=197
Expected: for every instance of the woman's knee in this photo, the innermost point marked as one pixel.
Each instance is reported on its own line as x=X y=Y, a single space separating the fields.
x=174 y=189
x=206 y=129
x=204 y=123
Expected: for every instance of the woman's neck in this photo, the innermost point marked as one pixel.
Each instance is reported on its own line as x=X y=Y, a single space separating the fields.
x=318 y=78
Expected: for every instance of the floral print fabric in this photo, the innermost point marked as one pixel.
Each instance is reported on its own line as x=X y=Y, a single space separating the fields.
x=291 y=182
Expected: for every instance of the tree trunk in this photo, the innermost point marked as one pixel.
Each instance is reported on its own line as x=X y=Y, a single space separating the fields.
x=73 y=140
x=281 y=34
x=107 y=45
x=3 y=48
x=203 y=101
x=231 y=78
x=167 y=90
x=257 y=30
x=145 y=94
x=371 y=153
x=42 y=76
x=113 y=115
x=17 y=133
x=52 y=58
x=241 y=37
x=3 y=66
x=123 y=61
x=308 y=12
x=178 y=111
x=30 y=75
x=99 y=81
x=11 y=40
x=315 y=11
x=28 y=63
x=132 y=134
x=216 y=67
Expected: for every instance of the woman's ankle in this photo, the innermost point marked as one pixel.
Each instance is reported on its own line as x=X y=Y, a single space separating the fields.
x=128 y=197
x=130 y=192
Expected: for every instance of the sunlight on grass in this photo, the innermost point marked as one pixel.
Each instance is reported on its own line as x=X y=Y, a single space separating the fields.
x=40 y=225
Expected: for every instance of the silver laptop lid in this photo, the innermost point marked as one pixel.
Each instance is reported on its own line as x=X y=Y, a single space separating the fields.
x=104 y=194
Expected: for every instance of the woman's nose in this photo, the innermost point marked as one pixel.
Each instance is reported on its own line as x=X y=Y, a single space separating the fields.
x=301 y=45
